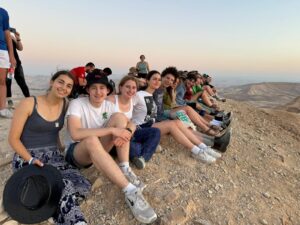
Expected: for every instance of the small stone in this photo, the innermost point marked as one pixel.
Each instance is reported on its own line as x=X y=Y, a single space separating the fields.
x=11 y=222
x=172 y=196
x=3 y=216
x=97 y=184
x=267 y=195
x=201 y=222
x=210 y=191
x=263 y=221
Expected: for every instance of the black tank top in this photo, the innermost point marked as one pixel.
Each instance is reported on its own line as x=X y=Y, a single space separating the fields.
x=39 y=132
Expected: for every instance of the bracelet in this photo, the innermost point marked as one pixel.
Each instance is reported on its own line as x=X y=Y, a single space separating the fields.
x=127 y=128
x=31 y=161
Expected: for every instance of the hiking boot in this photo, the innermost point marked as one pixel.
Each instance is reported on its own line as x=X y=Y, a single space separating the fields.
x=10 y=103
x=6 y=113
x=132 y=178
x=204 y=157
x=140 y=208
x=139 y=162
x=212 y=152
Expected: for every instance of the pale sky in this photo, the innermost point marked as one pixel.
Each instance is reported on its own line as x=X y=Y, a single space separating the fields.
x=258 y=38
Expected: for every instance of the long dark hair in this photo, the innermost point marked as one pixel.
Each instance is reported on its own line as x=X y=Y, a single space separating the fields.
x=63 y=72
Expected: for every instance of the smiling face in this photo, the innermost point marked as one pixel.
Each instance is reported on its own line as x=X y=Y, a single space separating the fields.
x=189 y=83
x=98 y=93
x=155 y=81
x=62 y=86
x=168 y=80
x=128 y=89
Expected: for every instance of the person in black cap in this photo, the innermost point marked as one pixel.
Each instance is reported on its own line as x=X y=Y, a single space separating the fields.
x=34 y=136
x=93 y=129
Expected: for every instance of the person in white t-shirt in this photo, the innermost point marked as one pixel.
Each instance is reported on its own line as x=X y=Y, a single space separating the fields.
x=93 y=130
x=144 y=115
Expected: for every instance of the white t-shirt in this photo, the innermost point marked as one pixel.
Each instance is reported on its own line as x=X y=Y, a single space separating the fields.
x=144 y=108
x=90 y=116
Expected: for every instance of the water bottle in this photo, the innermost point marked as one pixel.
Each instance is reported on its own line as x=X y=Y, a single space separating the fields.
x=10 y=74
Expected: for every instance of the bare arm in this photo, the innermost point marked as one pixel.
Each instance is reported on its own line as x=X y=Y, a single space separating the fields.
x=78 y=133
x=20 y=117
x=81 y=81
x=8 y=39
x=17 y=39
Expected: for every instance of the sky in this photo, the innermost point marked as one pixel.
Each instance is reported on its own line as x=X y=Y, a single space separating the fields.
x=258 y=39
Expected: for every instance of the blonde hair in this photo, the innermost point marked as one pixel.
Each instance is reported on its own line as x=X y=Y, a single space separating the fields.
x=125 y=79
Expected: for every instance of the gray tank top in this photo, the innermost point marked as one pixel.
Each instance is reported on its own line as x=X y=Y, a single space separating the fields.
x=39 y=132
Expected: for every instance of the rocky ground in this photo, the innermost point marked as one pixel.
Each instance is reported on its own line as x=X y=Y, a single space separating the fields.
x=257 y=181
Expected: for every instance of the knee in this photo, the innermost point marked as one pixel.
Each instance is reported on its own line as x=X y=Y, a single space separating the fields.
x=91 y=141
x=119 y=116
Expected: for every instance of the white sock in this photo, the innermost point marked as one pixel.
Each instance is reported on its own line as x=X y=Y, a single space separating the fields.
x=124 y=166
x=195 y=150
x=215 y=122
x=129 y=188
x=202 y=146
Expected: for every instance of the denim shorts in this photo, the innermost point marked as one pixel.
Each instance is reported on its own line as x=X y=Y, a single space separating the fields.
x=69 y=157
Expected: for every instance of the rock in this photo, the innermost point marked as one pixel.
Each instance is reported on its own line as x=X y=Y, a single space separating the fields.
x=97 y=184
x=11 y=222
x=172 y=196
x=266 y=194
x=201 y=222
x=263 y=221
x=177 y=216
x=3 y=216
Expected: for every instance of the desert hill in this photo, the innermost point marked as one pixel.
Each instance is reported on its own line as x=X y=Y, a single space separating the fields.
x=256 y=181
x=266 y=95
x=293 y=106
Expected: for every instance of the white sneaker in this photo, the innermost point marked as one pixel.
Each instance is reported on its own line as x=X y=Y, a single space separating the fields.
x=140 y=208
x=212 y=152
x=204 y=157
x=6 y=113
x=132 y=178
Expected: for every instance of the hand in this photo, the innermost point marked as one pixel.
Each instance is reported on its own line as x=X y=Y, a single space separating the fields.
x=34 y=161
x=122 y=133
x=12 y=61
x=17 y=35
x=118 y=142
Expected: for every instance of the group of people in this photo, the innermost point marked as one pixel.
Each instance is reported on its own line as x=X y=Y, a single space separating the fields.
x=110 y=128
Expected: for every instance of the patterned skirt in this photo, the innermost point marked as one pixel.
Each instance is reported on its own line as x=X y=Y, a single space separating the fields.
x=76 y=186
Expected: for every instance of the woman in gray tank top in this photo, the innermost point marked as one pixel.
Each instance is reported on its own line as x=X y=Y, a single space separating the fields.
x=34 y=136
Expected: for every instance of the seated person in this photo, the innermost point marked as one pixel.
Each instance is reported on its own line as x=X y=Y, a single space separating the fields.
x=211 y=90
x=93 y=129
x=145 y=115
x=144 y=140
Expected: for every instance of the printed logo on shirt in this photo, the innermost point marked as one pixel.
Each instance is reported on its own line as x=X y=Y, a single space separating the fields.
x=104 y=116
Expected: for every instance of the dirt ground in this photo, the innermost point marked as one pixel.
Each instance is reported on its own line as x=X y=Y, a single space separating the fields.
x=257 y=181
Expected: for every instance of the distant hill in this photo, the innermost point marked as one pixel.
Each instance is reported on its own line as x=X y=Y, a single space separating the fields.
x=293 y=106
x=265 y=95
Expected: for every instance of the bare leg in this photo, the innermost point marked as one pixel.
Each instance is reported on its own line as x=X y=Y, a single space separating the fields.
x=194 y=116
x=3 y=73
x=90 y=150
x=171 y=127
x=118 y=120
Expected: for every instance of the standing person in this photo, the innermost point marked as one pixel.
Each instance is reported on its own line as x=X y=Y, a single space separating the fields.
x=93 y=130
x=7 y=60
x=19 y=74
x=145 y=140
x=34 y=136
x=80 y=81
x=142 y=67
